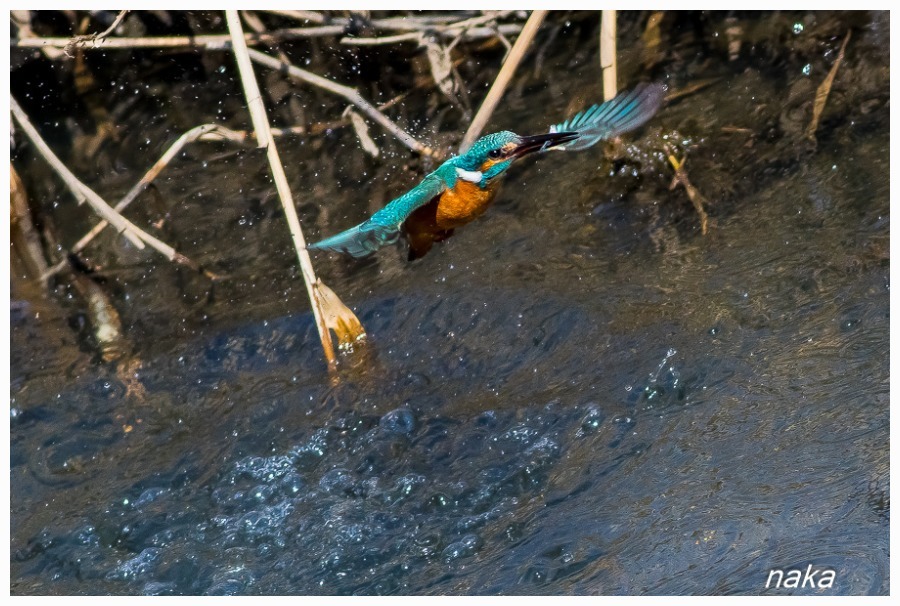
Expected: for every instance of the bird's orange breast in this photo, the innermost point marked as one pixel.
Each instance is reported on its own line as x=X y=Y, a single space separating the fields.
x=463 y=203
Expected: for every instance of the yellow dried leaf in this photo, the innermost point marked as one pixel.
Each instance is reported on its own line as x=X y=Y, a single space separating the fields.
x=338 y=317
x=824 y=89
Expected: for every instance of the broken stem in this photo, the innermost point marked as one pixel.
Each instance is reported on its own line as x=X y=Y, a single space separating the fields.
x=78 y=40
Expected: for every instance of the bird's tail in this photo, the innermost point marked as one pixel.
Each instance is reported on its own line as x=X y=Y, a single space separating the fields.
x=359 y=241
x=625 y=112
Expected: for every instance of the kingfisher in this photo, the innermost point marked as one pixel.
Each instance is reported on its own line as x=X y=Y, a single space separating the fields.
x=461 y=189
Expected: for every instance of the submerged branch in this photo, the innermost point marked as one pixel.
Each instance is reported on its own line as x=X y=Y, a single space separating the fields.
x=23 y=234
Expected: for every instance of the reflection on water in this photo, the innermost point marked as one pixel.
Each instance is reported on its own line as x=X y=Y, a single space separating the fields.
x=573 y=397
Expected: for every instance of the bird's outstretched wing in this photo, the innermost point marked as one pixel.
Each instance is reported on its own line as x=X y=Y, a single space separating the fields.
x=384 y=226
x=625 y=112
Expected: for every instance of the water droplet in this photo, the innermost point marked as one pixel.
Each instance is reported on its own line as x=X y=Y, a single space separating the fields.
x=401 y=421
x=798 y=27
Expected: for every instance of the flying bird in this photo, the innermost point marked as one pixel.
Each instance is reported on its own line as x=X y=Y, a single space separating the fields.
x=461 y=189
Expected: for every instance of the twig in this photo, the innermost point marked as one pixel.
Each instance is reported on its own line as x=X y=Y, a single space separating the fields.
x=405 y=37
x=362 y=132
x=264 y=139
x=415 y=23
x=80 y=40
x=82 y=192
x=212 y=41
x=608 y=53
x=350 y=94
x=693 y=193
x=205 y=131
x=467 y=30
x=311 y=16
x=222 y=41
x=490 y=17
x=499 y=86
x=691 y=88
x=824 y=90
x=396 y=23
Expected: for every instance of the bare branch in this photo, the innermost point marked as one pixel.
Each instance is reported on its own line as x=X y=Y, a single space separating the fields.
x=311 y=16
x=82 y=192
x=475 y=33
x=205 y=132
x=347 y=93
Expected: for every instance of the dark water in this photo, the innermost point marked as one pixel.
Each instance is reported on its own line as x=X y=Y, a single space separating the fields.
x=577 y=394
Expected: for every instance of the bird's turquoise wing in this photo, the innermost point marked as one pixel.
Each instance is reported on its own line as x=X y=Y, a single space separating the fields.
x=384 y=226
x=625 y=112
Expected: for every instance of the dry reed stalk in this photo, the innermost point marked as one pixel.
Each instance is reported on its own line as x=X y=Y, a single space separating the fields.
x=222 y=41
x=264 y=139
x=503 y=78
x=608 y=54
x=82 y=192
x=204 y=131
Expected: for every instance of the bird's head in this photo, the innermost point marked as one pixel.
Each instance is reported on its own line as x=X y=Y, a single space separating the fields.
x=492 y=154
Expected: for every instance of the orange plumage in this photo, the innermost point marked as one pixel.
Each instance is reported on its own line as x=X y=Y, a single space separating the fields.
x=435 y=221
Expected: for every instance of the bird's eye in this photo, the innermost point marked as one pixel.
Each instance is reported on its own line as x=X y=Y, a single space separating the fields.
x=495 y=153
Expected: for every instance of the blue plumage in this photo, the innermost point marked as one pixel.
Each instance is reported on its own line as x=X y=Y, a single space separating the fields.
x=625 y=112
x=383 y=227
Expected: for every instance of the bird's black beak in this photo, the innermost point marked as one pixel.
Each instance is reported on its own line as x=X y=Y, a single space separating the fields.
x=542 y=142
